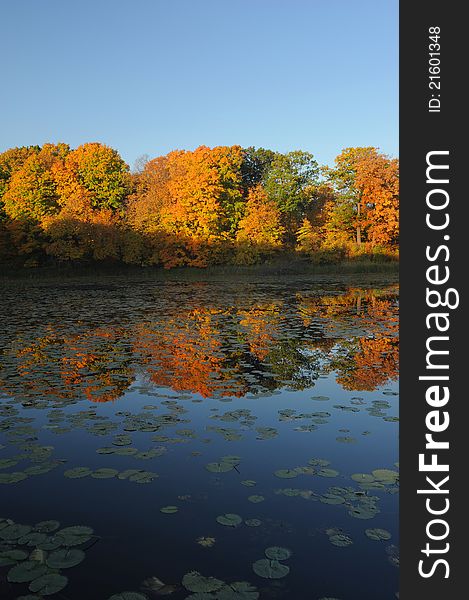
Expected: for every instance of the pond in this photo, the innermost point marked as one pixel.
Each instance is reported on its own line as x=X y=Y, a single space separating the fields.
x=233 y=439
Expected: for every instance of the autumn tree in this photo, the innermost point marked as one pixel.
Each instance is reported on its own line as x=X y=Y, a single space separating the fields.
x=32 y=190
x=366 y=183
x=260 y=230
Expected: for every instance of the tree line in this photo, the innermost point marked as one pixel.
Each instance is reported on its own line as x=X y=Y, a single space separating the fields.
x=208 y=206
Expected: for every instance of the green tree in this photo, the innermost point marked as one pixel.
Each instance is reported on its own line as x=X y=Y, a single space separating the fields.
x=291 y=182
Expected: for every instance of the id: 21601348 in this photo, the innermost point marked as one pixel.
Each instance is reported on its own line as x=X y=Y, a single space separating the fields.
x=434 y=69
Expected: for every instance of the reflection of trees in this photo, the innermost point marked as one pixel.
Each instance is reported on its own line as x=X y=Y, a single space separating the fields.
x=186 y=354
x=95 y=365
x=366 y=363
x=213 y=347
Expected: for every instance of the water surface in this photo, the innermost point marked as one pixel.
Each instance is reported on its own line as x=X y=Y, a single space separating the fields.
x=258 y=399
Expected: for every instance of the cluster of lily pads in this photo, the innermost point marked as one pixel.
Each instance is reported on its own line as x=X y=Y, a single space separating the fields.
x=37 y=555
x=271 y=567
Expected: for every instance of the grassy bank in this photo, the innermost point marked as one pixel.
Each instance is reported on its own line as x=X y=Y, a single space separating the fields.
x=280 y=266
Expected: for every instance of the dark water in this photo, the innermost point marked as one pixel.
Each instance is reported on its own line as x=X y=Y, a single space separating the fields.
x=272 y=374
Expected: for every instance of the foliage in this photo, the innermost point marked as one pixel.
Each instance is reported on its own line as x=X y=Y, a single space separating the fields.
x=195 y=208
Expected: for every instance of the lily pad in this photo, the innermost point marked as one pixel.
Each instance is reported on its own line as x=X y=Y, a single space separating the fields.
x=286 y=473
x=75 y=535
x=219 y=467
x=48 y=584
x=46 y=526
x=378 y=534
x=26 y=571
x=14 y=531
x=256 y=499
x=278 y=553
x=327 y=473
x=11 y=557
x=238 y=590
x=270 y=569
x=169 y=510
x=229 y=520
x=341 y=540
x=104 y=473
x=195 y=582
x=65 y=559
x=77 y=472
x=253 y=522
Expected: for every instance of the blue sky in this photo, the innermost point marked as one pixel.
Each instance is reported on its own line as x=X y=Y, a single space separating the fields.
x=149 y=76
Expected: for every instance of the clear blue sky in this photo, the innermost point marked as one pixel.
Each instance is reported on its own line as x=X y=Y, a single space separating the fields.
x=149 y=76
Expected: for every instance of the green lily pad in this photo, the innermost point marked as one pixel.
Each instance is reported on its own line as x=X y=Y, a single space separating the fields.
x=270 y=569
x=362 y=477
x=219 y=467
x=327 y=473
x=14 y=531
x=341 y=540
x=75 y=535
x=238 y=590
x=33 y=538
x=195 y=582
x=128 y=473
x=143 y=477
x=169 y=510
x=253 y=522
x=385 y=475
x=378 y=534
x=26 y=571
x=51 y=543
x=15 y=477
x=229 y=520
x=278 y=553
x=248 y=482
x=332 y=499
x=48 y=584
x=104 y=473
x=65 y=559
x=256 y=499
x=11 y=557
x=77 y=472
x=46 y=526
x=286 y=473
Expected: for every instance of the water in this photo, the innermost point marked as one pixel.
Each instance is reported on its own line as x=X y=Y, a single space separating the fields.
x=272 y=374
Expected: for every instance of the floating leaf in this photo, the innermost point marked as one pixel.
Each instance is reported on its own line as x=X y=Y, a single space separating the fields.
x=48 y=584
x=26 y=571
x=341 y=540
x=270 y=569
x=104 y=473
x=378 y=534
x=278 y=553
x=327 y=473
x=14 y=531
x=77 y=472
x=286 y=473
x=256 y=498
x=195 y=582
x=253 y=522
x=74 y=535
x=238 y=590
x=169 y=510
x=229 y=520
x=219 y=467
x=11 y=557
x=65 y=559
x=46 y=526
